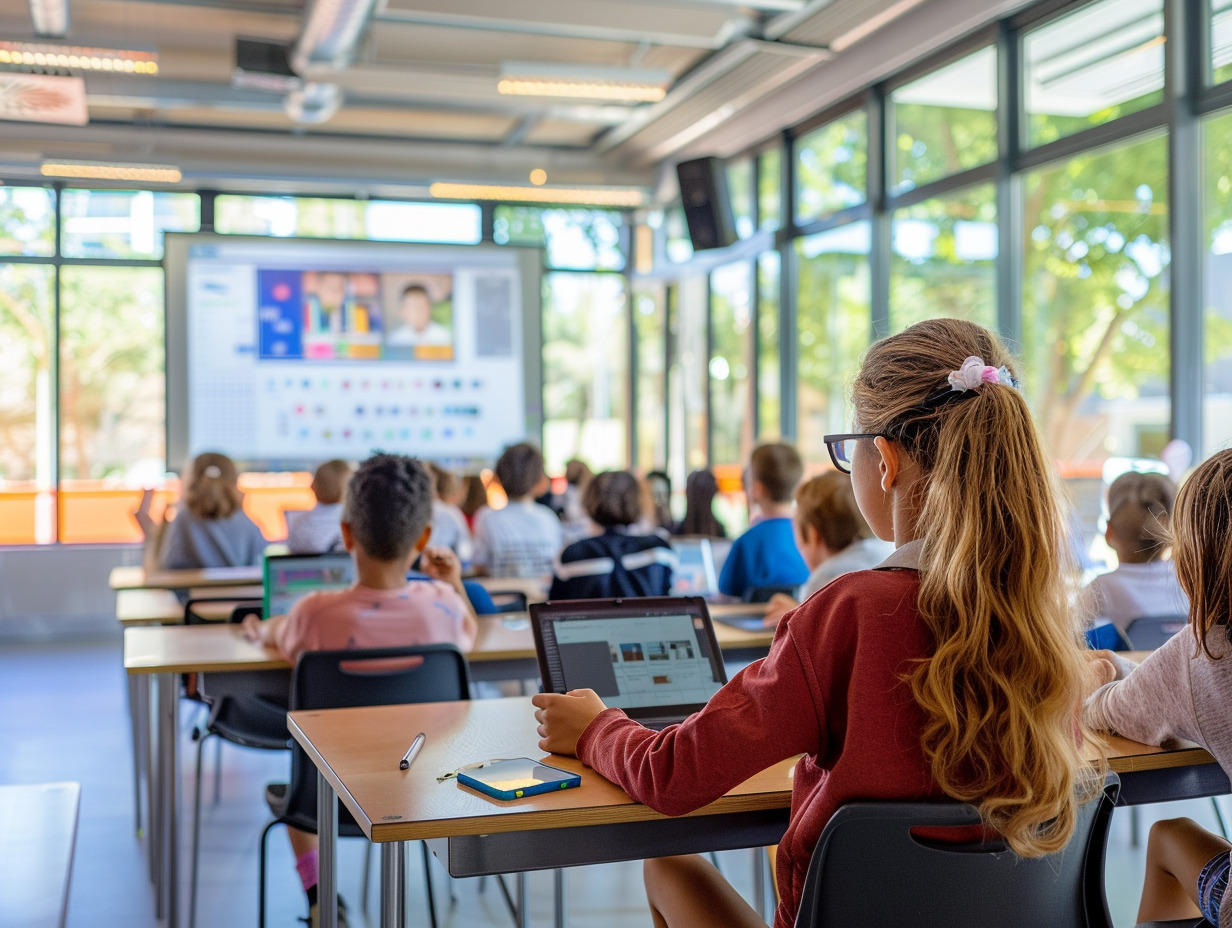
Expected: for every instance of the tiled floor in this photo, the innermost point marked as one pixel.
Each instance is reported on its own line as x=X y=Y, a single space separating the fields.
x=63 y=717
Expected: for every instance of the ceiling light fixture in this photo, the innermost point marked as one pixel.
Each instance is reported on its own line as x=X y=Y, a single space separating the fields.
x=50 y=17
x=579 y=196
x=103 y=170
x=583 y=82
x=79 y=58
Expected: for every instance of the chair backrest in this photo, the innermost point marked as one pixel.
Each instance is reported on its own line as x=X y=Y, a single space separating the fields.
x=763 y=594
x=1149 y=632
x=210 y=610
x=366 y=677
x=869 y=869
x=1107 y=637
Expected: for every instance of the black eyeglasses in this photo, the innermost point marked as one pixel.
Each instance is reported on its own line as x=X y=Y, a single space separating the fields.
x=842 y=447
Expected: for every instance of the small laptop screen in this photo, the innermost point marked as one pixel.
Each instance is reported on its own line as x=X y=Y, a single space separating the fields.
x=292 y=577
x=647 y=661
x=694 y=574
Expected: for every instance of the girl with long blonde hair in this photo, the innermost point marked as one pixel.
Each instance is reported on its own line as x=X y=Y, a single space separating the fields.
x=953 y=669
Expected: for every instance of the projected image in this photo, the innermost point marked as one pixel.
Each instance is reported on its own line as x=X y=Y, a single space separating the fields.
x=319 y=315
x=420 y=322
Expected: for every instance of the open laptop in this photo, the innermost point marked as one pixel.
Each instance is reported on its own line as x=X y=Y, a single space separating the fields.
x=289 y=577
x=694 y=574
x=654 y=657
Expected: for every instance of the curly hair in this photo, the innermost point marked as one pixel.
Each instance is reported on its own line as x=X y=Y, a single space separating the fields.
x=388 y=505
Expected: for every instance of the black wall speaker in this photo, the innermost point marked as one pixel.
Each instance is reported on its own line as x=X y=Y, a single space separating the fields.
x=707 y=207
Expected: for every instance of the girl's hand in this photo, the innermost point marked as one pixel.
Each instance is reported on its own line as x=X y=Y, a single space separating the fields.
x=442 y=564
x=780 y=604
x=1101 y=668
x=563 y=717
x=251 y=628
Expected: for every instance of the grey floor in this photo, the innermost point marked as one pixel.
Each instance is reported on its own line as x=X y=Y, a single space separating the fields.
x=63 y=717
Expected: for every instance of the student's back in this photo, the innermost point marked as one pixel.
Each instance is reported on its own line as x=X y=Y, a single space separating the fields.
x=318 y=530
x=521 y=539
x=210 y=527
x=766 y=555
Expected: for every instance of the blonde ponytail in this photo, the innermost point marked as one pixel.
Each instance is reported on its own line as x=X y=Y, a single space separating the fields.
x=1001 y=688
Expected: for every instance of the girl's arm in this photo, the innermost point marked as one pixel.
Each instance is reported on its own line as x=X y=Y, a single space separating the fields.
x=1154 y=702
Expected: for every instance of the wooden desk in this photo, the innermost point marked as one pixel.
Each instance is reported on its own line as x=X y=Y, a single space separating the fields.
x=357 y=750
x=38 y=833
x=135 y=578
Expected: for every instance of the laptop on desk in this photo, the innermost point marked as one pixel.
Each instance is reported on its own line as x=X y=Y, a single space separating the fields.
x=694 y=574
x=290 y=577
x=655 y=657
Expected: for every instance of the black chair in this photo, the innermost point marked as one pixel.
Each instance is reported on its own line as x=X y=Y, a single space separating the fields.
x=1150 y=632
x=248 y=708
x=510 y=601
x=870 y=870
x=763 y=594
x=348 y=678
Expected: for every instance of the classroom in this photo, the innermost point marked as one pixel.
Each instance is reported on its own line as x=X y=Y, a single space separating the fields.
x=638 y=284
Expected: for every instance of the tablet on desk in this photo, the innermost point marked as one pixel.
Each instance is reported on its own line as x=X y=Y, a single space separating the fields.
x=749 y=622
x=517 y=777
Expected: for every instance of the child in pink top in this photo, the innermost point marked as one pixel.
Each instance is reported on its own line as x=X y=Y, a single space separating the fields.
x=385 y=527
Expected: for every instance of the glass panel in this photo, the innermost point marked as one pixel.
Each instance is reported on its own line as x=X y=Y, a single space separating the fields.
x=832 y=167
x=27 y=422
x=731 y=361
x=1217 y=322
x=679 y=246
x=769 y=187
x=650 y=319
x=740 y=191
x=833 y=296
x=945 y=122
x=1087 y=68
x=378 y=220
x=27 y=221
x=769 y=390
x=1095 y=305
x=687 y=378
x=585 y=370
x=1220 y=65
x=124 y=223
x=111 y=398
x=573 y=238
x=944 y=259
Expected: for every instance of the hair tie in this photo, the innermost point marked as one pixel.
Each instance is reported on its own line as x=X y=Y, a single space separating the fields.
x=974 y=372
x=213 y=471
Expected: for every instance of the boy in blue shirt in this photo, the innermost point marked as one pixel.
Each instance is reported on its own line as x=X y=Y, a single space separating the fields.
x=766 y=555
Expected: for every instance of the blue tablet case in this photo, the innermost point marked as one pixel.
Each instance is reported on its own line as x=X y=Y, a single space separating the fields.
x=510 y=779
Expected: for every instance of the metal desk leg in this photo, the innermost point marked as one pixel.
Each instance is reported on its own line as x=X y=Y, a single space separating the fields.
x=168 y=738
x=558 y=877
x=327 y=853
x=154 y=769
x=523 y=882
x=134 y=723
x=393 y=884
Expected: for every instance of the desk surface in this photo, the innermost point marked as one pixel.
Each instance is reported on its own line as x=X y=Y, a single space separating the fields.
x=135 y=578
x=38 y=832
x=358 y=751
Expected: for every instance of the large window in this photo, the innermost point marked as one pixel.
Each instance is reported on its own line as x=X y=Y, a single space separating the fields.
x=123 y=223
x=585 y=370
x=572 y=238
x=944 y=262
x=650 y=324
x=27 y=221
x=769 y=373
x=1217 y=319
x=1091 y=66
x=731 y=363
x=833 y=293
x=832 y=167
x=317 y=217
x=945 y=122
x=1095 y=304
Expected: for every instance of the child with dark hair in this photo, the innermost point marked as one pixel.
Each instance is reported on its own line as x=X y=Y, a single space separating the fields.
x=210 y=527
x=385 y=527
x=700 y=489
x=620 y=562
x=521 y=539
x=1144 y=583
x=766 y=555
x=318 y=530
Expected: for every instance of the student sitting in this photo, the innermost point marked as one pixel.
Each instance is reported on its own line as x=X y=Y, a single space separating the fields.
x=522 y=539
x=619 y=562
x=832 y=537
x=385 y=528
x=699 y=519
x=317 y=530
x=1144 y=583
x=1183 y=692
x=449 y=528
x=210 y=528
x=766 y=554
x=888 y=681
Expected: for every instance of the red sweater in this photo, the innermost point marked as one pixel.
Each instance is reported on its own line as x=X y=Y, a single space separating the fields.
x=831 y=689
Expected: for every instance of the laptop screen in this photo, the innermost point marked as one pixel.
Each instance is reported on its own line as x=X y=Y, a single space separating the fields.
x=290 y=577
x=694 y=574
x=654 y=657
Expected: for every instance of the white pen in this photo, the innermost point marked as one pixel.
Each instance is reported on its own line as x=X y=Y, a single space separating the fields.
x=412 y=752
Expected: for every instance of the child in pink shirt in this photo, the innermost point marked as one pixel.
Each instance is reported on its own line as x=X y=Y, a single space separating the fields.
x=385 y=527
